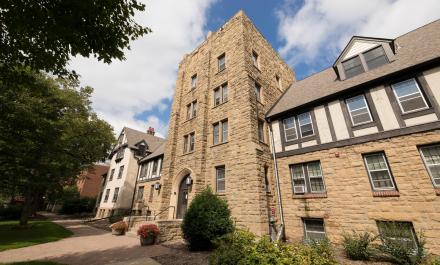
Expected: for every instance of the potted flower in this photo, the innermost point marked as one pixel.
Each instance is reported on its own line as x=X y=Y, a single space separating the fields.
x=119 y=228
x=147 y=234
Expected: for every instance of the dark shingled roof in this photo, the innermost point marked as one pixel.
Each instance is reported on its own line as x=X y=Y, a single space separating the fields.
x=414 y=48
x=134 y=137
x=157 y=152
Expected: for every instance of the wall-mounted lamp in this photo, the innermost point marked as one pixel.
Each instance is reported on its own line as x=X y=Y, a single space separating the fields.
x=189 y=181
x=157 y=186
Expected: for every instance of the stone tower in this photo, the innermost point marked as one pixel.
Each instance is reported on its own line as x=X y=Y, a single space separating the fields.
x=217 y=134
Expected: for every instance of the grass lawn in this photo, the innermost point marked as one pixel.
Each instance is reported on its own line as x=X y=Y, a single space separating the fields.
x=32 y=263
x=37 y=232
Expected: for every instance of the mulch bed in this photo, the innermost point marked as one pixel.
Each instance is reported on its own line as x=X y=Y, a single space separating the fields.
x=182 y=255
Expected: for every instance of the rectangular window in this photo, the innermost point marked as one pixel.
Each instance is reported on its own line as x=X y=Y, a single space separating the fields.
x=290 y=129
x=194 y=81
x=379 y=172
x=375 y=57
x=140 y=193
x=278 y=79
x=150 y=198
x=115 y=195
x=353 y=67
x=224 y=131
x=314 y=228
x=155 y=167
x=431 y=157
x=107 y=194
x=191 y=110
x=143 y=173
x=121 y=170
x=221 y=94
x=255 y=59
x=261 y=130
x=266 y=179
x=221 y=62
x=409 y=96
x=120 y=154
x=220 y=132
x=191 y=142
x=112 y=173
x=401 y=233
x=307 y=178
x=216 y=131
x=358 y=109
x=185 y=143
x=305 y=124
x=220 y=179
x=258 y=91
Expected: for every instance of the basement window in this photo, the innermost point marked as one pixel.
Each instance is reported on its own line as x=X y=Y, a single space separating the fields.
x=314 y=228
x=398 y=232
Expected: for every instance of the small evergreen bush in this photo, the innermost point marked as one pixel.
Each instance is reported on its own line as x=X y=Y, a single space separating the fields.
x=357 y=246
x=207 y=219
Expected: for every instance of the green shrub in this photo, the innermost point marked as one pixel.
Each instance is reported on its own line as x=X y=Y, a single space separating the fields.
x=207 y=219
x=241 y=248
x=78 y=205
x=357 y=246
x=10 y=212
x=435 y=261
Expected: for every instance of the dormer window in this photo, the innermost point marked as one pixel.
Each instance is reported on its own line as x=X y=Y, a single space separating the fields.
x=353 y=67
x=375 y=57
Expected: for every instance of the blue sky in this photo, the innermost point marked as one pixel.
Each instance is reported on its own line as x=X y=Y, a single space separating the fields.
x=308 y=35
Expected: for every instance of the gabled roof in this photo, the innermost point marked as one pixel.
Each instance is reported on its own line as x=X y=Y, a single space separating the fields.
x=415 y=48
x=345 y=54
x=159 y=151
x=134 y=137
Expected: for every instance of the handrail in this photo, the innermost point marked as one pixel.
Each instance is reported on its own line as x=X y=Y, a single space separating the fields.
x=171 y=206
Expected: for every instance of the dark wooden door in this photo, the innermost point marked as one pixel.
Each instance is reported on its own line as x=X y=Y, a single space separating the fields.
x=182 y=199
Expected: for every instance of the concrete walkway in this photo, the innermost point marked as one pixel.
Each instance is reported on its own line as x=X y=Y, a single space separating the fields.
x=88 y=246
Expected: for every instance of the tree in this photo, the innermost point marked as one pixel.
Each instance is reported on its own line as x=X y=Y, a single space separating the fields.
x=49 y=134
x=45 y=34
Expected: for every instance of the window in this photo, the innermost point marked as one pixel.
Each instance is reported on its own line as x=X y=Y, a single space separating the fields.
x=121 y=170
x=305 y=124
x=266 y=180
x=194 y=81
x=290 y=129
x=188 y=143
x=150 y=198
x=307 y=178
x=221 y=62
x=120 y=154
x=112 y=173
x=431 y=157
x=155 y=167
x=375 y=57
x=107 y=193
x=353 y=67
x=398 y=232
x=258 y=91
x=191 y=110
x=278 y=79
x=358 y=109
x=261 y=130
x=220 y=132
x=314 y=228
x=144 y=170
x=140 y=193
x=220 y=179
x=409 y=96
x=255 y=59
x=378 y=170
x=221 y=94
x=115 y=195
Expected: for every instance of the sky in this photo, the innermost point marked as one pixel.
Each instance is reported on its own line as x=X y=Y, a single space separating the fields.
x=309 y=35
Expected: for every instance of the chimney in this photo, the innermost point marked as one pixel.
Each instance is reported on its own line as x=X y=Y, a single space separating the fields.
x=150 y=131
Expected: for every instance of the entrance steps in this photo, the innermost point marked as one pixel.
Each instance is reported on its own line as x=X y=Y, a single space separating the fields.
x=169 y=229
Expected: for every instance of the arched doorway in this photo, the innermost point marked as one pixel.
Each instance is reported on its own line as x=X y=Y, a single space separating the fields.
x=182 y=199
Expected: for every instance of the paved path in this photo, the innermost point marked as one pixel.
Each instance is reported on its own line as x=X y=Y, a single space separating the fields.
x=88 y=246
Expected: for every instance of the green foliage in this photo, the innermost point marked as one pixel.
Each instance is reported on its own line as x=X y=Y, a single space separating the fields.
x=242 y=248
x=45 y=34
x=358 y=246
x=38 y=232
x=49 y=134
x=72 y=203
x=10 y=212
x=435 y=261
x=207 y=218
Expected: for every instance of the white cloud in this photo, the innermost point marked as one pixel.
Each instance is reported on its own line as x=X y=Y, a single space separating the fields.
x=141 y=83
x=315 y=33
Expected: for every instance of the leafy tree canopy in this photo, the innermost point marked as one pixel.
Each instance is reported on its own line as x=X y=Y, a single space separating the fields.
x=43 y=34
x=49 y=133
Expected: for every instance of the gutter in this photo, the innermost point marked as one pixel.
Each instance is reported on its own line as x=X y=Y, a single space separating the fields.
x=280 y=203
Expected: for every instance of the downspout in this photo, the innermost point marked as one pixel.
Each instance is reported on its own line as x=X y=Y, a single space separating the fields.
x=277 y=182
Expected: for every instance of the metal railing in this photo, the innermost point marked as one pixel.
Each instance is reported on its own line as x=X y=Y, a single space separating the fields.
x=166 y=209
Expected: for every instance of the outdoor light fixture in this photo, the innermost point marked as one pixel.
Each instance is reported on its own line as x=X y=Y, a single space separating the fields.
x=189 y=181
x=157 y=186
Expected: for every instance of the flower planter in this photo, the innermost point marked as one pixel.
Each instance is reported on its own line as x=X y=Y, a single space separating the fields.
x=118 y=232
x=147 y=241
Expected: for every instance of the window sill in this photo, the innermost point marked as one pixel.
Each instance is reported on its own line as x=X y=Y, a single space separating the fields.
x=220 y=104
x=386 y=193
x=417 y=113
x=263 y=142
x=221 y=194
x=310 y=195
x=214 y=145
x=184 y=154
x=148 y=180
x=437 y=191
x=221 y=71
x=363 y=125
x=188 y=120
x=256 y=67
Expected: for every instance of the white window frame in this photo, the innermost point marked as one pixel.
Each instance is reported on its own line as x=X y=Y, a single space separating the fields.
x=121 y=171
x=194 y=81
x=419 y=91
x=220 y=68
x=311 y=122
x=316 y=177
x=312 y=231
x=217 y=168
x=303 y=177
x=387 y=168
x=307 y=178
x=351 y=110
x=115 y=195
x=294 y=127
x=427 y=165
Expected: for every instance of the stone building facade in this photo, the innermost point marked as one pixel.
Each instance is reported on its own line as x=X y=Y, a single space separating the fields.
x=217 y=133
x=358 y=144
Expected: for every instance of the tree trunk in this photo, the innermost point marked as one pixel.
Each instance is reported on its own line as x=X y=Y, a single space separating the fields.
x=27 y=208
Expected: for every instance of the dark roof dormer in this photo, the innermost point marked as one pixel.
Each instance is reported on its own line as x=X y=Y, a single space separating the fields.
x=363 y=54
